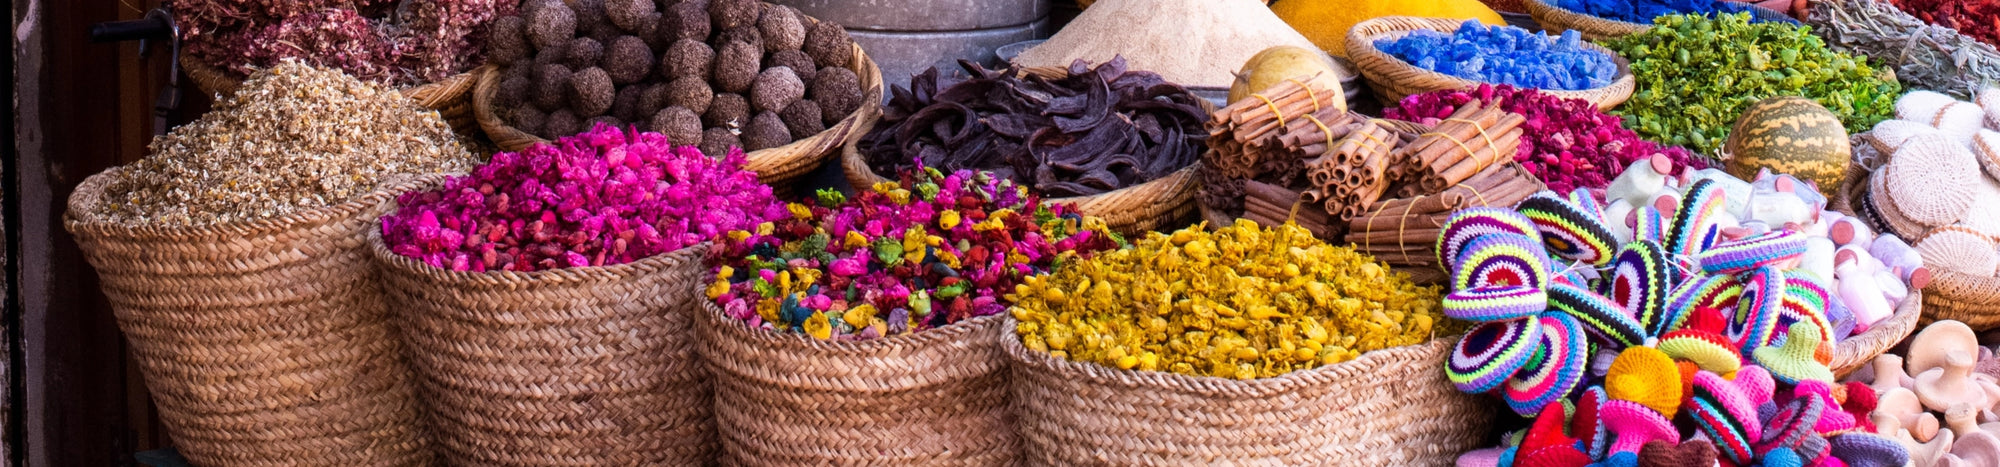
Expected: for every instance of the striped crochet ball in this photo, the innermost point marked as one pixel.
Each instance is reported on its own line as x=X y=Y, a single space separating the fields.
x=1468 y=224
x=1565 y=354
x=1709 y=351
x=1640 y=280
x=1495 y=303
x=1693 y=228
x=1754 y=252
x=1500 y=259
x=1569 y=231
x=1491 y=353
x=1756 y=320
x=1601 y=318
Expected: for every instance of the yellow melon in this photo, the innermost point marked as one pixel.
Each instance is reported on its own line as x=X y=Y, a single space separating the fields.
x=1792 y=135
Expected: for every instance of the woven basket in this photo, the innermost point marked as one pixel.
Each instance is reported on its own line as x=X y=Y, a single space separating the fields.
x=778 y=166
x=1392 y=78
x=1164 y=202
x=264 y=342
x=937 y=397
x=1557 y=19
x=1388 y=407
x=1974 y=300
x=451 y=97
x=580 y=366
x=1860 y=349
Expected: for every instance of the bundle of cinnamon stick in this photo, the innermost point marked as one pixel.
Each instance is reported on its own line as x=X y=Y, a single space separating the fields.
x=1239 y=138
x=1404 y=231
x=1474 y=138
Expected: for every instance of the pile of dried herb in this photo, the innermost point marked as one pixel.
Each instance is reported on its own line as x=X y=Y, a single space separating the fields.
x=398 y=43
x=1977 y=18
x=1096 y=130
x=294 y=138
x=1925 y=56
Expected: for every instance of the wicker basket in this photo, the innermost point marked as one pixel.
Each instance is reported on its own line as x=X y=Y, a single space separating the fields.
x=264 y=342
x=451 y=97
x=1557 y=19
x=1860 y=349
x=1133 y=210
x=1388 y=407
x=937 y=397
x=778 y=166
x=1392 y=78
x=580 y=366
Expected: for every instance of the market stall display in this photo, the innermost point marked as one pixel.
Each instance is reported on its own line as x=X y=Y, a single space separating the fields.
x=1936 y=400
x=1566 y=142
x=1327 y=24
x=1182 y=40
x=1697 y=74
x=239 y=275
x=1116 y=142
x=785 y=87
x=1924 y=56
x=1243 y=343
x=865 y=330
x=592 y=245
x=1974 y=18
x=1609 y=19
x=1403 y=56
x=1934 y=187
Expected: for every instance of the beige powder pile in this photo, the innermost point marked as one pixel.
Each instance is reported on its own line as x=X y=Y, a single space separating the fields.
x=1191 y=42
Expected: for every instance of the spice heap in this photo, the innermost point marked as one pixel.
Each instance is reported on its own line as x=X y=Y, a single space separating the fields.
x=898 y=258
x=1708 y=325
x=601 y=198
x=1327 y=23
x=1567 y=143
x=1505 y=55
x=1977 y=18
x=389 y=42
x=1696 y=74
x=1242 y=302
x=1181 y=40
x=1643 y=11
x=1937 y=398
x=293 y=138
x=1924 y=56
x=1096 y=130
x=1942 y=182
x=709 y=73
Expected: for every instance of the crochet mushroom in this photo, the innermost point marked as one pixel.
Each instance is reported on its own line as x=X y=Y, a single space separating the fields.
x=1794 y=361
x=1632 y=425
x=1646 y=376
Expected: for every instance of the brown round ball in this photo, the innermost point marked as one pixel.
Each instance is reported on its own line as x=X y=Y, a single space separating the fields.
x=689 y=92
x=605 y=120
x=781 y=29
x=746 y=34
x=529 y=119
x=682 y=126
x=776 y=88
x=513 y=91
x=583 y=52
x=686 y=20
x=803 y=118
x=558 y=55
x=551 y=25
x=727 y=111
x=507 y=41
x=631 y=15
x=800 y=63
x=628 y=60
x=551 y=87
x=562 y=123
x=626 y=105
x=591 y=92
x=652 y=98
x=589 y=15
x=687 y=57
x=766 y=131
x=717 y=142
x=838 y=92
x=829 y=45
x=726 y=14
x=736 y=66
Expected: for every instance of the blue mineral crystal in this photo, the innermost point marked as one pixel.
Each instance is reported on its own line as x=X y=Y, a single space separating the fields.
x=1506 y=55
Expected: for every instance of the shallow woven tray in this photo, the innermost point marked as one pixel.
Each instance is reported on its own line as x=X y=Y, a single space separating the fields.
x=1974 y=300
x=778 y=167
x=1133 y=210
x=1859 y=349
x=451 y=97
x=1392 y=78
x=1557 y=19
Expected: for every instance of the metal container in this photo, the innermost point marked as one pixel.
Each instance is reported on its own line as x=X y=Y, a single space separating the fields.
x=905 y=37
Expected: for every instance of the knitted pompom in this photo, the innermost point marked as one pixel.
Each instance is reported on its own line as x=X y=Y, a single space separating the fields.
x=1500 y=259
x=1710 y=351
x=1491 y=353
x=1569 y=231
x=1693 y=228
x=1868 y=450
x=1495 y=303
x=1467 y=224
x=1647 y=376
x=1954 y=117
x=1639 y=282
x=1756 y=320
x=1753 y=252
x=1891 y=134
x=1631 y=424
x=1793 y=361
x=1960 y=250
x=1713 y=291
x=1565 y=357
x=1601 y=318
x=1930 y=180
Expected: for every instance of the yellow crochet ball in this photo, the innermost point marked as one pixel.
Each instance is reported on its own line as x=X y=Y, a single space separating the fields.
x=1647 y=376
x=1326 y=22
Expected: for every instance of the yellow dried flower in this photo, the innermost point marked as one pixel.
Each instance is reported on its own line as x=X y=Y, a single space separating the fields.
x=1242 y=302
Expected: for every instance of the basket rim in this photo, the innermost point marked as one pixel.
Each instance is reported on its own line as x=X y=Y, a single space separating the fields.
x=1542 y=11
x=1849 y=354
x=459 y=83
x=1277 y=386
x=81 y=217
x=1361 y=45
x=390 y=262
x=885 y=346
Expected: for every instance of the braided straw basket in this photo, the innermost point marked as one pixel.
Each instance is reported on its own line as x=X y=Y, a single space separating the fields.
x=578 y=366
x=1133 y=210
x=778 y=166
x=937 y=397
x=451 y=97
x=264 y=342
x=1974 y=300
x=1557 y=19
x=1392 y=78
x=1857 y=350
x=1388 y=407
